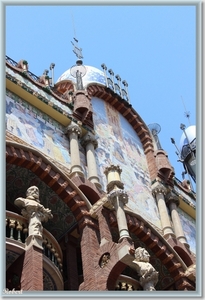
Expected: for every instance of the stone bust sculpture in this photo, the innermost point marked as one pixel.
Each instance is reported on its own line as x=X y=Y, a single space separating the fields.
x=148 y=274
x=33 y=211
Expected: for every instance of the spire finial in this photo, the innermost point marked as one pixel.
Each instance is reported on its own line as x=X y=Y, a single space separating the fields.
x=187 y=113
x=76 y=49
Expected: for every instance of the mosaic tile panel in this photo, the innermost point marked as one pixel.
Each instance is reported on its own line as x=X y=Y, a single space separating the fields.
x=119 y=144
x=38 y=130
x=189 y=227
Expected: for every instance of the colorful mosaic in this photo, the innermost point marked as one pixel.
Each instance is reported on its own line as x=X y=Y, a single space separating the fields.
x=189 y=227
x=32 y=126
x=119 y=144
x=45 y=97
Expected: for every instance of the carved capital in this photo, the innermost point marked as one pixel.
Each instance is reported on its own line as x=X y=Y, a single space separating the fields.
x=172 y=198
x=113 y=177
x=158 y=188
x=122 y=196
x=113 y=168
x=73 y=128
x=89 y=138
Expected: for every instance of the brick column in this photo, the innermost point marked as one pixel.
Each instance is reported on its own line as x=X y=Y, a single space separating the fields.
x=105 y=232
x=90 y=144
x=73 y=131
x=89 y=248
x=32 y=273
x=159 y=191
x=72 y=268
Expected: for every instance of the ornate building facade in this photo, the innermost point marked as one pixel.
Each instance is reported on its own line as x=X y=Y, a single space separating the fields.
x=92 y=203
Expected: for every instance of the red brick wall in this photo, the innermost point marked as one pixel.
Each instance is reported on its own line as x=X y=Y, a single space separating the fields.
x=151 y=164
x=72 y=268
x=89 y=247
x=32 y=273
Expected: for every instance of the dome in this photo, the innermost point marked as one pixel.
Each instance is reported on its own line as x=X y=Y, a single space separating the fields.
x=92 y=75
x=191 y=134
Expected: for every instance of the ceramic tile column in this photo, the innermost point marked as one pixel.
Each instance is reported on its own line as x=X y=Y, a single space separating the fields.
x=159 y=191
x=90 y=144
x=73 y=132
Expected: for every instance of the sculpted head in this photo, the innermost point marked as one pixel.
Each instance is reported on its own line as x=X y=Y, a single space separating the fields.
x=141 y=254
x=33 y=193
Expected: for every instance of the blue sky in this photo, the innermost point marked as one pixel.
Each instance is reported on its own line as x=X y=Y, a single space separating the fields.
x=152 y=47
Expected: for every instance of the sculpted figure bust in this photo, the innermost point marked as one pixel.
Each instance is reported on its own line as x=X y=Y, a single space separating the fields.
x=33 y=211
x=148 y=274
x=104 y=260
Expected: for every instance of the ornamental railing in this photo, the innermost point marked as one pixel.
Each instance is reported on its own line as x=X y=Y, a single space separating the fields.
x=17 y=229
x=126 y=283
x=14 y=64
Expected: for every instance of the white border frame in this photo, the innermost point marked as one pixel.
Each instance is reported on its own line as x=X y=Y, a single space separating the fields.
x=200 y=165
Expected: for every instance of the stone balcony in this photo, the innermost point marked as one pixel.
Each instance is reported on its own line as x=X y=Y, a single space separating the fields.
x=16 y=234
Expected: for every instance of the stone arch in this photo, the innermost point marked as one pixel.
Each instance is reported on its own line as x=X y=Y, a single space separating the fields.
x=88 y=188
x=114 y=274
x=110 y=273
x=158 y=245
x=182 y=253
x=33 y=160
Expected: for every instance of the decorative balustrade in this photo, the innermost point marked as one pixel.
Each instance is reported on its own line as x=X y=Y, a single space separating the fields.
x=126 y=283
x=17 y=229
x=15 y=64
x=52 y=249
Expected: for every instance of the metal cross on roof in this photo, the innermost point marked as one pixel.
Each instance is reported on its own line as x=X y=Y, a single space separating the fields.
x=76 y=50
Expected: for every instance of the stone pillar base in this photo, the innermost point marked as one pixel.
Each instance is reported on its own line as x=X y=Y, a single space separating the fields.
x=76 y=171
x=33 y=241
x=95 y=181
